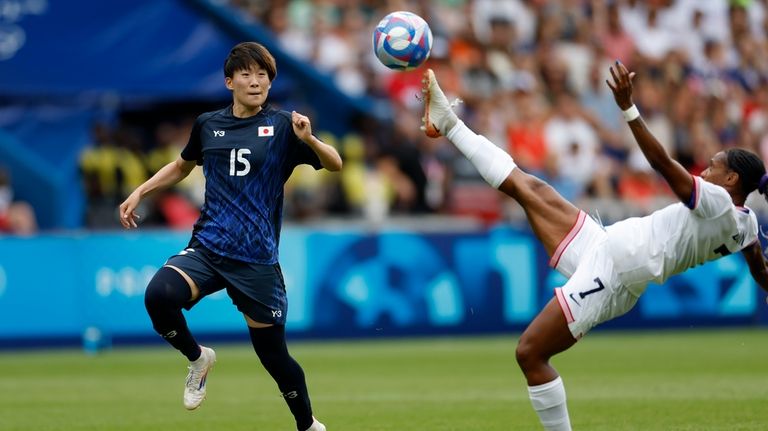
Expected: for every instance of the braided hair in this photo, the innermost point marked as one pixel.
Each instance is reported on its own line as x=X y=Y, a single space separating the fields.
x=751 y=170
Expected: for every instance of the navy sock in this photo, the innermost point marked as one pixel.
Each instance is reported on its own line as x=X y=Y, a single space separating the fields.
x=269 y=344
x=166 y=294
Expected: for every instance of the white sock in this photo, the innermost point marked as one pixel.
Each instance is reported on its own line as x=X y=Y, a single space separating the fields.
x=549 y=402
x=199 y=361
x=493 y=163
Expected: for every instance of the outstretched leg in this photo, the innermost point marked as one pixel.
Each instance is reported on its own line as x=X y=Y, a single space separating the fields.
x=550 y=215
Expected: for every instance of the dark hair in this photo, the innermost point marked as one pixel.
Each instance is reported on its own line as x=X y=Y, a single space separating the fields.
x=248 y=54
x=750 y=168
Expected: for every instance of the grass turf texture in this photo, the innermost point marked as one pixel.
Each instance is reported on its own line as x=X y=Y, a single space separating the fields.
x=664 y=380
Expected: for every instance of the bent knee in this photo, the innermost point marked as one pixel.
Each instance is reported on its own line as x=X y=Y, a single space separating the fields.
x=167 y=287
x=527 y=354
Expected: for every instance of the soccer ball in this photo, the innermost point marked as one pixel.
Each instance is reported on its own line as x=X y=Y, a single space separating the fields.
x=402 y=41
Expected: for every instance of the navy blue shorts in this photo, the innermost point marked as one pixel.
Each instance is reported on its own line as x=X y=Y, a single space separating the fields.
x=258 y=291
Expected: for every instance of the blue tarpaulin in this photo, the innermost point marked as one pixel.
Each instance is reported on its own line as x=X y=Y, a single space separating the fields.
x=139 y=48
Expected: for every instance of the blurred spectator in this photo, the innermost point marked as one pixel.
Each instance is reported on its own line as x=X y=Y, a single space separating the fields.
x=515 y=12
x=131 y=168
x=16 y=217
x=650 y=98
x=413 y=169
x=611 y=34
x=353 y=194
x=179 y=205
x=525 y=134
x=572 y=144
x=309 y=193
x=653 y=41
x=99 y=170
x=600 y=110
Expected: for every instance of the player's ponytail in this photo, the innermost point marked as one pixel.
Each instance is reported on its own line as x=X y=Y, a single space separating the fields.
x=762 y=187
x=751 y=170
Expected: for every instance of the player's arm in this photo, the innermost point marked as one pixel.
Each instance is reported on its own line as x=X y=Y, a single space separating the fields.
x=757 y=265
x=673 y=172
x=329 y=157
x=167 y=176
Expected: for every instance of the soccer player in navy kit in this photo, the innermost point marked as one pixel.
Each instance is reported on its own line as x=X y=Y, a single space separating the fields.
x=247 y=151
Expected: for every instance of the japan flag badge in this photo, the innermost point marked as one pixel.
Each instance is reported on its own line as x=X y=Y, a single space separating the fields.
x=266 y=131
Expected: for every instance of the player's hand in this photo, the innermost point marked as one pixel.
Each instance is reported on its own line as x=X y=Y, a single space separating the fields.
x=301 y=126
x=128 y=214
x=622 y=85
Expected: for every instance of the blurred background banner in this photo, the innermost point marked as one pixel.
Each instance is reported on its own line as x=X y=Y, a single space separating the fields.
x=340 y=284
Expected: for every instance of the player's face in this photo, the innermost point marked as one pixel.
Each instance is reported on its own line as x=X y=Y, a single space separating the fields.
x=249 y=89
x=718 y=171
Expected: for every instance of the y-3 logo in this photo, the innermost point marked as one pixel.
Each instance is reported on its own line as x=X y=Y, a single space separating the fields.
x=218 y=133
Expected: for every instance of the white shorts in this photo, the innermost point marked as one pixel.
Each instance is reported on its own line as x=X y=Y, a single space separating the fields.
x=593 y=293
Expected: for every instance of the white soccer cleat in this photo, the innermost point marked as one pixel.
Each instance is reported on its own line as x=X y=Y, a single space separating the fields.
x=438 y=117
x=316 y=426
x=194 y=389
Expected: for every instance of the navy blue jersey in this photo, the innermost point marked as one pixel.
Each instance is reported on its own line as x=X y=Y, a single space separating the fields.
x=246 y=162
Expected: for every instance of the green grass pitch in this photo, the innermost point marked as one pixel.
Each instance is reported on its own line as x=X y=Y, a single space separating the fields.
x=664 y=380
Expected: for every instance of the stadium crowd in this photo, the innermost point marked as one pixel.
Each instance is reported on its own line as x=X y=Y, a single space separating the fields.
x=531 y=74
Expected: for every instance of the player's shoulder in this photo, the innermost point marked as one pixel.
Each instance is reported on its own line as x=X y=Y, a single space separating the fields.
x=219 y=113
x=746 y=213
x=280 y=114
x=279 y=118
x=709 y=200
x=708 y=190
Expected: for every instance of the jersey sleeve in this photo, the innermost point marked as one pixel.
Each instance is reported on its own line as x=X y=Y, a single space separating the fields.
x=194 y=148
x=751 y=231
x=708 y=200
x=305 y=155
x=299 y=152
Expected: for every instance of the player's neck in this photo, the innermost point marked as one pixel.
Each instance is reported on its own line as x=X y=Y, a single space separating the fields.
x=242 y=111
x=738 y=200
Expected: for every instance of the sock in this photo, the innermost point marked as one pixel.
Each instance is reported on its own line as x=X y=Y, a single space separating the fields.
x=269 y=344
x=549 y=402
x=166 y=294
x=199 y=361
x=493 y=163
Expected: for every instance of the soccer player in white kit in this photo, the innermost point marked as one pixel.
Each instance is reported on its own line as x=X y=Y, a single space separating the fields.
x=609 y=268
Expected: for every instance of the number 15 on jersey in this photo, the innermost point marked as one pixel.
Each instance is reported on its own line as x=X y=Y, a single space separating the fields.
x=238 y=164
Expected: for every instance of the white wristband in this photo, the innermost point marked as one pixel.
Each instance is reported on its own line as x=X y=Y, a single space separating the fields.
x=631 y=113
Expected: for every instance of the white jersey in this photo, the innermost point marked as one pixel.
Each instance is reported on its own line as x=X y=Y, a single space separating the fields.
x=675 y=238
